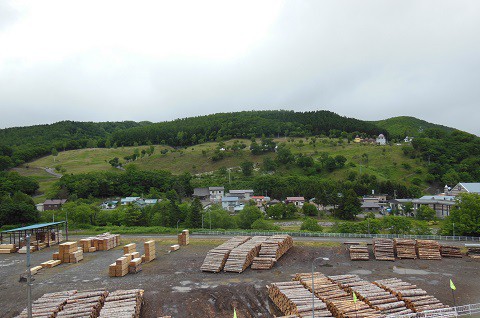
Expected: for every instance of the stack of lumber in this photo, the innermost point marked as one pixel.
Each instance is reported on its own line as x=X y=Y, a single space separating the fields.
x=51 y=263
x=271 y=250
x=119 y=268
x=150 y=252
x=293 y=299
x=473 y=250
x=184 y=238
x=123 y=304
x=373 y=295
x=242 y=256
x=69 y=252
x=358 y=252
x=349 y=309
x=84 y=304
x=7 y=248
x=87 y=245
x=174 y=248
x=428 y=249
x=415 y=298
x=135 y=265
x=130 y=248
x=216 y=258
x=105 y=241
x=48 y=305
x=34 y=270
x=383 y=249
x=324 y=288
x=406 y=248
x=450 y=251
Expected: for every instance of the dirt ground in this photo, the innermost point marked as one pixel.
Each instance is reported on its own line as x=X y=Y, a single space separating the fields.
x=174 y=284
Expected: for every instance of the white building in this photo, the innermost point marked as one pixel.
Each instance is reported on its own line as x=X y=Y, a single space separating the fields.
x=381 y=140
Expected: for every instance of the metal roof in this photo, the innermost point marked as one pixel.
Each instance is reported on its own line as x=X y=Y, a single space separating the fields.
x=34 y=226
x=471 y=187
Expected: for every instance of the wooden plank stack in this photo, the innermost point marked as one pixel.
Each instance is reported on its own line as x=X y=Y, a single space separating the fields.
x=415 y=298
x=428 y=249
x=405 y=248
x=293 y=299
x=119 y=268
x=174 y=247
x=325 y=289
x=34 y=270
x=51 y=263
x=473 y=250
x=123 y=304
x=130 y=248
x=184 y=238
x=105 y=241
x=271 y=250
x=358 y=252
x=7 y=248
x=242 y=256
x=150 y=252
x=69 y=252
x=135 y=265
x=450 y=251
x=84 y=304
x=48 y=305
x=383 y=249
x=87 y=245
x=216 y=258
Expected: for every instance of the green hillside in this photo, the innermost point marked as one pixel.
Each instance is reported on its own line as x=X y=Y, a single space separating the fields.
x=399 y=127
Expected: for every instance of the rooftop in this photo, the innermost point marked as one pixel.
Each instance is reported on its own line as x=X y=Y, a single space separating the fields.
x=33 y=227
x=473 y=187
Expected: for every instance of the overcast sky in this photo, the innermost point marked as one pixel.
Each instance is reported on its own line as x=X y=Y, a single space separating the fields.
x=161 y=60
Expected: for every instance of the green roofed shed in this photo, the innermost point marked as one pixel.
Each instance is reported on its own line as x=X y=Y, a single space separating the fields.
x=48 y=233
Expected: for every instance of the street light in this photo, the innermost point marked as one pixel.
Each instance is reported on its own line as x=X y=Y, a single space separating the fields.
x=326 y=259
x=177 y=225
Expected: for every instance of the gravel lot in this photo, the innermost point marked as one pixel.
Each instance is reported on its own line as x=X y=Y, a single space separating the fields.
x=175 y=286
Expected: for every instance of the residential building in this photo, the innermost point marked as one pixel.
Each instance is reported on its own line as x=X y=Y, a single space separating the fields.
x=260 y=200
x=298 y=201
x=368 y=206
x=214 y=194
x=465 y=187
x=244 y=195
x=232 y=204
x=201 y=193
x=128 y=200
x=381 y=140
x=54 y=204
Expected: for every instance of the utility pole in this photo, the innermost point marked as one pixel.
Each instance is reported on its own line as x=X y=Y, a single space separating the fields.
x=29 y=280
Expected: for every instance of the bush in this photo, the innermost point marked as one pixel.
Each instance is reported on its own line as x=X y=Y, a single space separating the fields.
x=310 y=224
x=262 y=224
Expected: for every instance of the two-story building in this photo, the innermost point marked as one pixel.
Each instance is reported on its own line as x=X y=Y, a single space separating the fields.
x=297 y=201
x=53 y=204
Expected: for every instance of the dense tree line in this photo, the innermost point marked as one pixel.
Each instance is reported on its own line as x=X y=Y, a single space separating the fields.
x=16 y=205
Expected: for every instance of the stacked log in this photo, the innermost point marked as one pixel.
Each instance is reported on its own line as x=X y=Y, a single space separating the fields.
x=184 y=238
x=383 y=249
x=84 y=304
x=150 y=252
x=415 y=298
x=216 y=258
x=371 y=294
x=350 y=309
x=450 y=251
x=123 y=304
x=271 y=250
x=358 y=253
x=473 y=250
x=428 y=249
x=293 y=299
x=324 y=288
x=7 y=248
x=405 y=248
x=69 y=252
x=242 y=256
x=48 y=305
x=105 y=241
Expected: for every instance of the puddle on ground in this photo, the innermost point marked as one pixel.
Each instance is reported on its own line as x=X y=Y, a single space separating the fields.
x=411 y=271
x=181 y=289
x=360 y=272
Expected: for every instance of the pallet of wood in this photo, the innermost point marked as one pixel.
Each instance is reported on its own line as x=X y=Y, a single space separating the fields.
x=428 y=249
x=216 y=258
x=184 y=238
x=35 y=269
x=241 y=257
x=405 y=248
x=324 y=288
x=51 y=263
x=8 y=248
x=84 y=304
x=451 y=251
x=415 y=298
x=358 y=253
x=105 y=241
x=383 y=249
x=293 y=299
x=123 y=304
x=48 y=305
x=473 y=250
x=129 y=248
x=69 y=252
x=119 y=268
x=150 y=251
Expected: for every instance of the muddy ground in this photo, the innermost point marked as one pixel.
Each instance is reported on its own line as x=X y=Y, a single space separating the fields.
x=174 y=284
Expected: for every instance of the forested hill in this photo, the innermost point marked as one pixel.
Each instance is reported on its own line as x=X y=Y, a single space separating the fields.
x=402 y=126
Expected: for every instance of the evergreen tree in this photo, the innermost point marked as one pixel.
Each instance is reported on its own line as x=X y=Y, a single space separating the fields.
x=194 y=219
x=349 y=205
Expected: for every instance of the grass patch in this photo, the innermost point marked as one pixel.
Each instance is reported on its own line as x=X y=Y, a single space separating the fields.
x=318 y=243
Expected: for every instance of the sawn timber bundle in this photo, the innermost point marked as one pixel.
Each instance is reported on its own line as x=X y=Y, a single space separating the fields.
x=271 y=250
x=123 y=304
x=405 y=248
x=242 y=256
x=428 y=249
x=383 y=249
x=216 y=258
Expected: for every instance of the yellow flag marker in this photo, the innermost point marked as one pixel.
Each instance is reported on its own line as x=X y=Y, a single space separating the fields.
x=452 y=286
x=354 y=297
x=234 y=313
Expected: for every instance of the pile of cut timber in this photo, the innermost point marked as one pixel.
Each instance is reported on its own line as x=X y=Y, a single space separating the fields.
x=373 y=295
x=84 y=304
x=242 y=256
x=473 y=250
x=174 y=247
x=358 y=252
x=325 y=289
x=48 y=305
x=406 y=248
x=105 y=241
x=135 y=265
x=50 y=264
x=184 y=238
x=87 y=245
x=293 y=299
x=383 y=249
x=123 y=304
x=428 y=249
x=415 y=298
x=271 y=250
x=7 y=248
x=130 y=248
x=69 y=252
x=34 y=270
x=450 y=251
x=216 y=258
x=349 y=309
x=150 y=252
x=119 y=268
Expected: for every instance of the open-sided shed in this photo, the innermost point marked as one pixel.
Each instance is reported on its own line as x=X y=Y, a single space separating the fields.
x=48 y=231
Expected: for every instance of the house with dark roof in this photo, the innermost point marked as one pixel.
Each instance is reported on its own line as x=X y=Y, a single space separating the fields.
x=214 y=194
x=53 y=204
x=298 y=201
x=244 y=195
